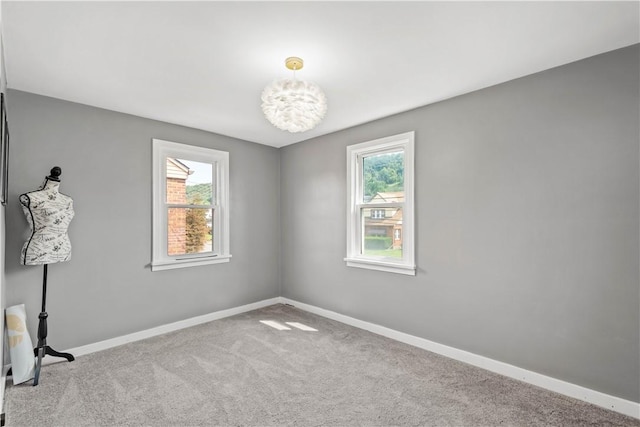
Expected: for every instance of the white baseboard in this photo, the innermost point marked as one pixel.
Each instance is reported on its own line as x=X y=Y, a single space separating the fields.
x=613 y=403
x=163 y=329
x=3 y=383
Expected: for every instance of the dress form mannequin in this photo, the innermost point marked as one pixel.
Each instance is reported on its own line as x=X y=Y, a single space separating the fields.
x=48 y=213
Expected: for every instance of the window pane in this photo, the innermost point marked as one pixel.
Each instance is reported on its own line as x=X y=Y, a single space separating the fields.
x=383 y=177
x=189 y=182
x=189 y=231
x=382 y=234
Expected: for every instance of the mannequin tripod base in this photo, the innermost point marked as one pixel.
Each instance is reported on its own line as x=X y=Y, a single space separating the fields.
x=43 y=349
x=40 y=352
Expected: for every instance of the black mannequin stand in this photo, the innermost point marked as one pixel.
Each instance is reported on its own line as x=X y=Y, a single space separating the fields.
x=43 y=349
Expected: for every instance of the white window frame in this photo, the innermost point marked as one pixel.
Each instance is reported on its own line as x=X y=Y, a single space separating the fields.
x=355 y=191
x=220 y=161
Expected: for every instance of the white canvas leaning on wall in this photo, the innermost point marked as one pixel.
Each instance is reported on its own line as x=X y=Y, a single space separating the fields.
x=20 y=346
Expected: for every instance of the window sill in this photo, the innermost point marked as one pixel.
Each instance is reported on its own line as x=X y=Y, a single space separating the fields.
x=389 y=267
x=191 y=262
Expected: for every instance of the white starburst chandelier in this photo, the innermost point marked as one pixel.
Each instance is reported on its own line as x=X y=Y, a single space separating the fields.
x=294 y=105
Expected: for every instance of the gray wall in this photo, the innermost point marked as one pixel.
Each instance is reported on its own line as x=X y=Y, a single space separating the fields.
x=107 y=289
x=527 y=201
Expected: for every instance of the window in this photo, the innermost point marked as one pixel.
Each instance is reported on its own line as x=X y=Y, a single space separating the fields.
x=380 y=216
x=190 y=206
x=377 y=213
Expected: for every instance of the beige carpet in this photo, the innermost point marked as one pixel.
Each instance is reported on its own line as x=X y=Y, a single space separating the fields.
x=240 y=372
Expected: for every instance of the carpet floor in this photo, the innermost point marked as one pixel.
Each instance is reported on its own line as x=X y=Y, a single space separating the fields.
x=238 y=371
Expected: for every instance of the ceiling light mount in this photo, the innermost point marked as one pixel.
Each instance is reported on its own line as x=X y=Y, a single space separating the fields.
x=291 y=104
x=294 y=63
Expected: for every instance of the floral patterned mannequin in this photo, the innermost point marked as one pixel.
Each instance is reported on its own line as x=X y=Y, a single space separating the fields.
x=48 y=213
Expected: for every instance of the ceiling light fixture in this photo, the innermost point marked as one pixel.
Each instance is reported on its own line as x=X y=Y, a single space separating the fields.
x=294 y=105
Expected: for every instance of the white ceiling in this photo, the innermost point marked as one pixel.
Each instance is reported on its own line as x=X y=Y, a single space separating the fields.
x=204 y=64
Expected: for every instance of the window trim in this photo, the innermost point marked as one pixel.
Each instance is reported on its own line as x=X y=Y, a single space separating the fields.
x=160 y=259
x=355 y=155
